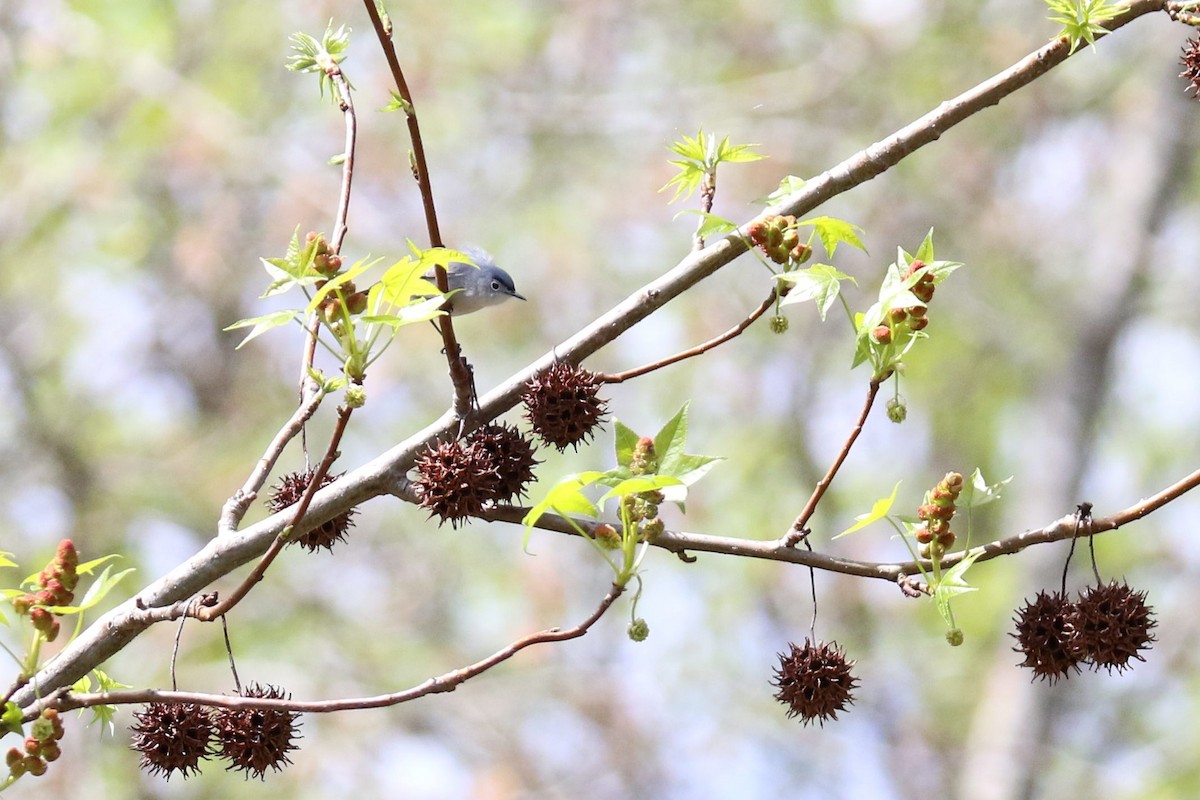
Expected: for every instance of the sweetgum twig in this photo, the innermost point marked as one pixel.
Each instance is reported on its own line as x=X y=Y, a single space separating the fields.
x=736 y=330
x=208 y=613
x=447 y=682
x=798 y=529
x=460 y=372
x=236 y=506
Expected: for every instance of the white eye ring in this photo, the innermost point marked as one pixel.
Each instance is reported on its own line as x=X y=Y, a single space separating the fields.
x=495 y=286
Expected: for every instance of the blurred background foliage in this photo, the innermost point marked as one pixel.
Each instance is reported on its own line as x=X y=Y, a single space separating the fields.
x=151 y=152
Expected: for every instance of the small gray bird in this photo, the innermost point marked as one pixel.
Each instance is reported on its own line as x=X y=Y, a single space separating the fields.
x=482 y=287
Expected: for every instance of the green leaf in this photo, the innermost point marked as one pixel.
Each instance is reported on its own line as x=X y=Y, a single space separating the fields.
x=398 y=103
x=820 y=282
x=670 y=445
x=10 y=720
x=878 y=511
x=566 y=497
x=712 y=225
x=833 y=231
x=640 y=483
x=953 y=583
x=5 y=561
x=978 y=492
x=339 y=280
x=95 y=593
x=624 y=440
x=787 y=187
x=700 y=157
x=264 y=323
x=736 y=153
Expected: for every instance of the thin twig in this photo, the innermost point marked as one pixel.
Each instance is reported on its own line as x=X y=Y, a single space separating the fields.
x=736 y=330
x=796 y=532
x=447 y=682
x=236 y=506
x=210 y=613
x=460 y=373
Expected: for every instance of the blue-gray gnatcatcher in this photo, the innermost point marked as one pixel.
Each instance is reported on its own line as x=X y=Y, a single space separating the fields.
x=480 y=288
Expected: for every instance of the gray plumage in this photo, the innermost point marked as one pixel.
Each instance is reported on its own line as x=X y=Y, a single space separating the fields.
x=482 y=287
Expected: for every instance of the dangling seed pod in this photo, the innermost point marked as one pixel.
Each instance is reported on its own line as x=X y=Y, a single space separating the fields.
x=254 y=740
x=814 y=681
x=172 y=737
x=1112 y=625
x=512 y=458
x=290 y=489
x=562 y=406
x=1044 y=634
x=456 y=480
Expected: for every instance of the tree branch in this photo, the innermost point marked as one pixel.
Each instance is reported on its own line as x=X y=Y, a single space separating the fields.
x=447 y=682
x=111 y=632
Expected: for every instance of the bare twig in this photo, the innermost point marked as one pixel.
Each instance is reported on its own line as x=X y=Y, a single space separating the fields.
x=209 y=613
x=736 y=330
x=797 y=531
x=446 y=682
x=236 y=506
x=460 y=372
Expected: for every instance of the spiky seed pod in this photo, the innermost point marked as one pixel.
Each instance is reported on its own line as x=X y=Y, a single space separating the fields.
x=1044 y=634
x=1191 y=66
x=512 y=456
x=172 y=737
x=1112 y=625
x=814 y=681
x=456 y=480
x=256 y=739
x=561 y=404
x=290 y=490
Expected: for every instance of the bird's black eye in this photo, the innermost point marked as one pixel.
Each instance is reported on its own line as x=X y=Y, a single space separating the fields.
x=495 y=286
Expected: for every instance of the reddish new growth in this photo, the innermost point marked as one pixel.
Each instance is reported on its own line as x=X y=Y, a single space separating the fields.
x=56 y=587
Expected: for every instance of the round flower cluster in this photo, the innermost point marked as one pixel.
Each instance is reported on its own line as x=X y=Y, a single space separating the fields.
x=56 y=587
x=41 y=746
x=779 y=239
x=936 y=512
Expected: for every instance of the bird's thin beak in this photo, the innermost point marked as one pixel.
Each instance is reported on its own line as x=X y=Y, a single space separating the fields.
x=518 y=295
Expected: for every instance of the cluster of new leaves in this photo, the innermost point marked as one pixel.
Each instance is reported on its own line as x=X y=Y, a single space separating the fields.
x=649 y=470
x=360 y=331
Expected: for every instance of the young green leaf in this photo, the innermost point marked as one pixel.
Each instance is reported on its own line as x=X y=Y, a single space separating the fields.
x=566 y=497
x=341 y=279
x=978 y=492
x=641 y=483
x=624 y=440
x=1080 y=19
x=878 y=511
x=833 y=231
x=820 y=282
x=953 y=583
x=264 y=323
x=712 y=225
x=788 y=186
